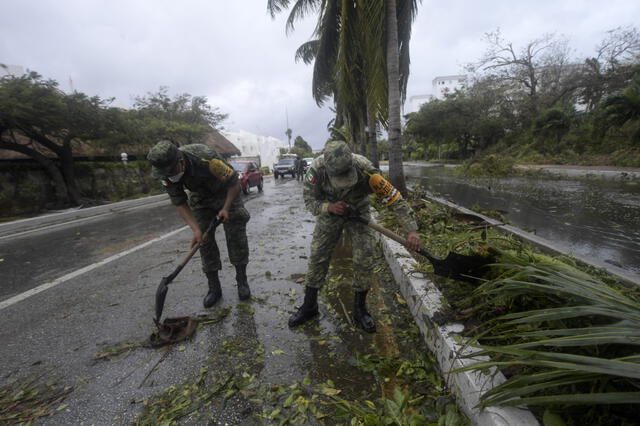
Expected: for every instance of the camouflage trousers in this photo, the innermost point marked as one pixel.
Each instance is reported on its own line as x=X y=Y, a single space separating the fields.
x=326 y=235
x=235 y=231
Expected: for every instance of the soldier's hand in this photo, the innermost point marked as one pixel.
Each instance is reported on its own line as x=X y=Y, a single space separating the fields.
x=413 y=241
x=197 y=238
x=339 y=208
x=223 y=215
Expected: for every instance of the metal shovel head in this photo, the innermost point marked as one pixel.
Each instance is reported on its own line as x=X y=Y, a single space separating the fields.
x=173 y=330
x=461 y=267
x=161 y=295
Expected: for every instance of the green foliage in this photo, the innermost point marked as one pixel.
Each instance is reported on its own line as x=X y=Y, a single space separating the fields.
x=302 y=147
x=551 y=125
x=29 y=399
x=488 y=166
x=580 y=347
x=526 y=105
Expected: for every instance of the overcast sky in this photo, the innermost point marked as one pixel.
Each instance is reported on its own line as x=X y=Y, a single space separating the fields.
x=232 y=52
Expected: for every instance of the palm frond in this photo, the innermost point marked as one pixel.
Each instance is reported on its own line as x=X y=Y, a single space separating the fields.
x=586 y=339
x=308 y=51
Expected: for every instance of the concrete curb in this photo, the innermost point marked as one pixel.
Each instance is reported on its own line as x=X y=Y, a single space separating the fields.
x=54 y=219
x=424 y=300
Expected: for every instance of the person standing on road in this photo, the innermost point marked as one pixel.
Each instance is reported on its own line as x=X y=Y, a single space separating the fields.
x=214 y=189
x=337 y=184
x=299 y=166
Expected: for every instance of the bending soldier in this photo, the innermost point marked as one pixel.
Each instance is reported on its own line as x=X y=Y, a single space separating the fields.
x=335 y=181
x=214 y=188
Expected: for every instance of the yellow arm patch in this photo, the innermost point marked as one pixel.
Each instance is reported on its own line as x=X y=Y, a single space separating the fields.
x=220 y=170
x=385 y=192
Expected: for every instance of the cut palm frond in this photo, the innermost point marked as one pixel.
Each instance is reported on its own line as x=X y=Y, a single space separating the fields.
x=581 y=348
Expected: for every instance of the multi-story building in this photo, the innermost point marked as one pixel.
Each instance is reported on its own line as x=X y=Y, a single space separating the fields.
x=445 y=84
x=440 y=86
x=267 y=148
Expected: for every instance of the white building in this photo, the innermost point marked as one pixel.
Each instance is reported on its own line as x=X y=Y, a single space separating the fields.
x=440 y=86
x=251 y=145
x=415 y=102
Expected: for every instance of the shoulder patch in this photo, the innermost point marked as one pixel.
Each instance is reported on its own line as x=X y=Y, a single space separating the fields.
x=220 y=170
x=383 y=189
x=311 y=176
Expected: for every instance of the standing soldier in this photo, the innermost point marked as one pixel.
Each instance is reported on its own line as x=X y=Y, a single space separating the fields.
x=336 y=181
x=299 y=166
x=214 y=189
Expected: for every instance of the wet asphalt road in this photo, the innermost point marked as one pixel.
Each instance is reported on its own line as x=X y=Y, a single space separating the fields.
x=57 y=332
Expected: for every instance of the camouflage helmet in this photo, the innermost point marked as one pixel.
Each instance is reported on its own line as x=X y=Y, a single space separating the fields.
x=339 y=164
x=163 y=156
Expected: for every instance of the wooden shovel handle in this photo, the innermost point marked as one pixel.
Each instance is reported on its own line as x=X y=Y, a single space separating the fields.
x=212 y=226
x=395 y=237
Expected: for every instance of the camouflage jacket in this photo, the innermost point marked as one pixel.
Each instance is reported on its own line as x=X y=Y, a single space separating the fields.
x=318 y=192
x=204 y=186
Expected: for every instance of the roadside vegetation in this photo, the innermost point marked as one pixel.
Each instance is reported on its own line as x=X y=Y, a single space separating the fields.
x=52 y=127
x=564 y=334
x=538 y=105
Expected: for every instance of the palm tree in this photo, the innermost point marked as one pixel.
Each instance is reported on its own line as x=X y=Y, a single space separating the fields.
x=288 y=133
x=351 y=63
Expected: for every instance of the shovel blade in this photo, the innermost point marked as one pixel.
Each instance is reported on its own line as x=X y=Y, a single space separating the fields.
x=161 y=295
x=461 y=267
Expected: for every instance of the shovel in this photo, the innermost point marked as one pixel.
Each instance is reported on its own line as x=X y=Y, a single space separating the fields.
x=163 y=287
x=456 y=266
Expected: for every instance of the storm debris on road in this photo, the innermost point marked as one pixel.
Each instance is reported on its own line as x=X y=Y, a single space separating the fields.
x=23 y=401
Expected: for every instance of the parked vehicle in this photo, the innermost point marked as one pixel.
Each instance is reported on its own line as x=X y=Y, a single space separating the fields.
x=249 y=174
x=307 y=162
x=285 y=166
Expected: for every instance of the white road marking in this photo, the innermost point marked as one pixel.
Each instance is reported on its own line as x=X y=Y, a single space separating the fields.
x=22 y=296
x=80 y=220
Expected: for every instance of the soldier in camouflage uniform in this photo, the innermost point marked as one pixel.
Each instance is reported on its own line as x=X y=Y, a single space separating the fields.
x=213 y=192
x=338 y=183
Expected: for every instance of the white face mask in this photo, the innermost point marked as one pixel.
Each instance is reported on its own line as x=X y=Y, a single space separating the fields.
x=176 y=178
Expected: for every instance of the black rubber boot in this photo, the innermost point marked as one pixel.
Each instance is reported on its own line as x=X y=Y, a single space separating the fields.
x=308 y=310
x=244 y=292
x=215 y=292
x=360 y=315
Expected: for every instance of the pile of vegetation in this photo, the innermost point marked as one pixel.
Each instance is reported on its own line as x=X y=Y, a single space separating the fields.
x=539 y=105
x=565 y=335
x=27 y=400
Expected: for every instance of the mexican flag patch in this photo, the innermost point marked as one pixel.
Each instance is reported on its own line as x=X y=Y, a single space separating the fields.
x=311 y=176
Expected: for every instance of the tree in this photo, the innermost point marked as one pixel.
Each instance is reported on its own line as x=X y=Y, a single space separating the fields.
x=349 y=51
x=617 y=58
x=624 y=107
x=39 y=120
x=299 y=142
x=536 y=74
x=184 y=118
x=288 y=133
x=553 y=124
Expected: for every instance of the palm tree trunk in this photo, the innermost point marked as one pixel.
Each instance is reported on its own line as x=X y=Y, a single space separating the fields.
x=371 y=137
x=396 y=172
